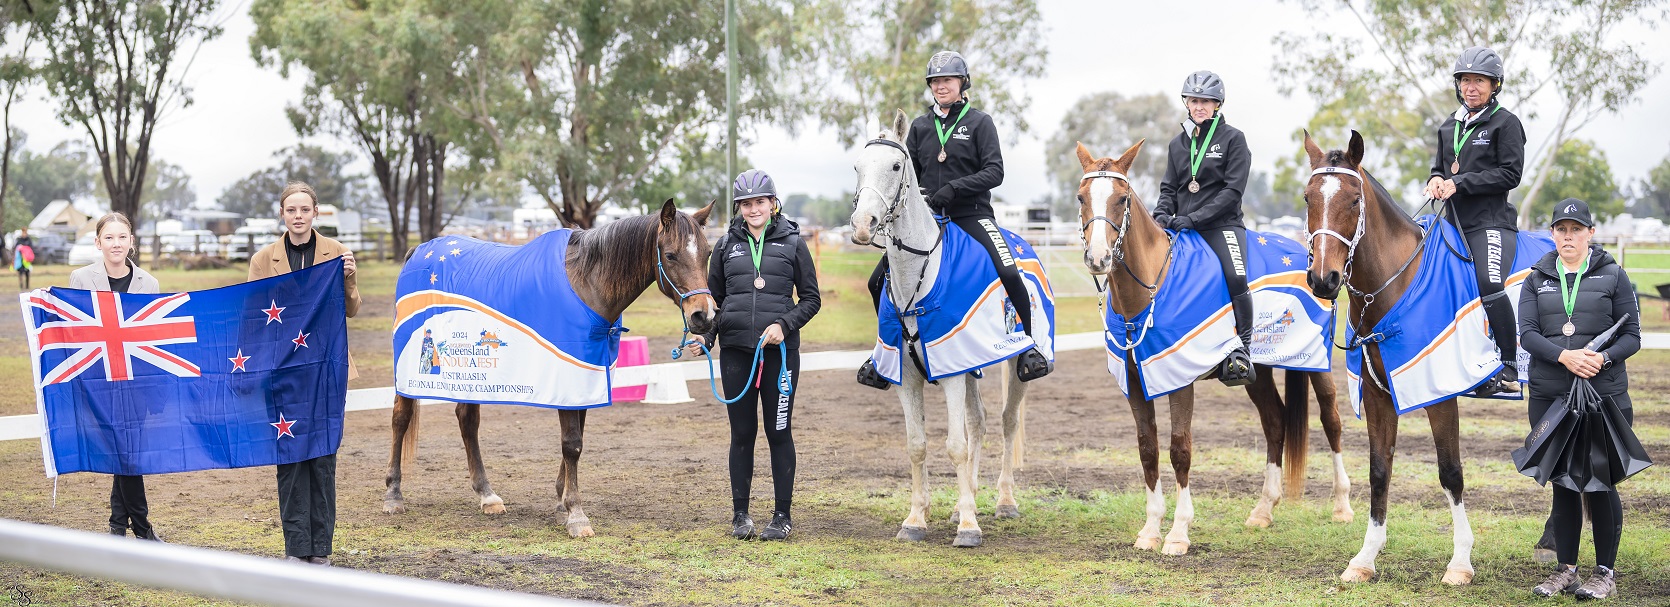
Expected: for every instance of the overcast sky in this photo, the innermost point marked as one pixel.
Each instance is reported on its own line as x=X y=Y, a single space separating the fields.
x=237 y=119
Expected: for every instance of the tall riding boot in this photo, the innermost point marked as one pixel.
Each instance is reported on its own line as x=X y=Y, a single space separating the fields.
x=1237 y=369
x=1504 y=330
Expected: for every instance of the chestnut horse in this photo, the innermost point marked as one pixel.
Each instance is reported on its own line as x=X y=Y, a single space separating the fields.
x=609 y=268
x=1126 y=245
x=1372 y=246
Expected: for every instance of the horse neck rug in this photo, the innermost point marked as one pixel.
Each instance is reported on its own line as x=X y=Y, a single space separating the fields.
x=1435 y=341
x=483 y=322
x=1190 y=327
x=965 y=321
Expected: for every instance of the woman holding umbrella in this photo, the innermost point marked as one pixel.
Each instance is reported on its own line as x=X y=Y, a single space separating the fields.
x=1572 y=295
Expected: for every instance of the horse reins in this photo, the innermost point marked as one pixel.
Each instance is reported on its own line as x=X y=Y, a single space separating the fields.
x=1119 y=258
x=887 y=218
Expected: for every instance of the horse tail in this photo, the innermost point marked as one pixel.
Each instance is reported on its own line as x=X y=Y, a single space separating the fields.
x=1295 y=432
x=409 y=443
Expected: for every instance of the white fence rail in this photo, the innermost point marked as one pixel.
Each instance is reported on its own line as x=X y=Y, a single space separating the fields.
x=236 y=577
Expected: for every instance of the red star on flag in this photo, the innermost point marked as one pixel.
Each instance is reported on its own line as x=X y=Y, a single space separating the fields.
x=273 y=312
x=283 y=427
x=238 y=361
x=300 y=341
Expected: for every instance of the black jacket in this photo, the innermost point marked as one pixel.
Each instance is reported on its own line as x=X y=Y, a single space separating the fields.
x=1222 y=177
x=786 y=265
x=973 y=161
x=1492 y=158
x=1603 y=297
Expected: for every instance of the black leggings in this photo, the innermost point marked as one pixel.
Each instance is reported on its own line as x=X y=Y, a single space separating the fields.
x=744 y=414
x=1229 y=243
x=128 y=508
x=1493 y=250
x=1606 y=511
x=984 y=230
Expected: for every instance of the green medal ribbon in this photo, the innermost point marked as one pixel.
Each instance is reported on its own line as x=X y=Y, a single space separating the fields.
x=1569 y=298
x=756 y=247
x=1457 y=137
x=1195 y=156
x=945 y=131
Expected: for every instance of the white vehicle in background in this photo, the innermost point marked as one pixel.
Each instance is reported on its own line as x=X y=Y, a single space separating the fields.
x=344 y=226
x=255 y=234
x=193 y=242
x=83 y=252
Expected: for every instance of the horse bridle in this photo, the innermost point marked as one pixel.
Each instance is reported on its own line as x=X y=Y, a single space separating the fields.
x=1362 y=217
x=1119 y=257
x=892 y=211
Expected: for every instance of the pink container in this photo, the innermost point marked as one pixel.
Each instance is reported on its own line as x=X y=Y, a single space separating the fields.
x=634 y=351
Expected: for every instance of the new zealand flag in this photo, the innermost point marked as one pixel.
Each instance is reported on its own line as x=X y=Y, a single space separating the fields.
x=254 y=374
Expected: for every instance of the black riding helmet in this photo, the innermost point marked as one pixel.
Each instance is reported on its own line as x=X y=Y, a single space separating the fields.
x=1204 y=84
x=1482 y=61
x=752 y=183
x=948 y=63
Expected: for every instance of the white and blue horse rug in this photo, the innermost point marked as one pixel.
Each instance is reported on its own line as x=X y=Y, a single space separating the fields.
x=1435 y=341
x=1190 y=327
x=965 y=321
x=483 y=322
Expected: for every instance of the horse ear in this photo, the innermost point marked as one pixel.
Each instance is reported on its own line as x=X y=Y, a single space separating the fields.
x=1129 y=157
x=1354 y=151
x=669 y=215
x=901 y=124
x=1085 y=158
x=1315 y=153
x=701 y=215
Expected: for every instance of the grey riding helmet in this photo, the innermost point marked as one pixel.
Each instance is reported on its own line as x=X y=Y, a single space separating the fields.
x=948 y=63
x=752 y=183
x=1204 y=84
x=1482 y=61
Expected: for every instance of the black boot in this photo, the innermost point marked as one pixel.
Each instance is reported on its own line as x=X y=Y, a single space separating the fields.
x=1034 y=365
x=868 y=376
x=1505 y=382
x=742 y=526
x=779 y=528
x=1237 y=368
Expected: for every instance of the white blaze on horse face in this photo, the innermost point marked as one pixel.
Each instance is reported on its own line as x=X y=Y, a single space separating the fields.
x=690 y=245
x=1101 y=204
x=1330 y=187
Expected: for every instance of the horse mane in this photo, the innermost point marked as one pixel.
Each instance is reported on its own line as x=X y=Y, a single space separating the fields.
x=614 y=257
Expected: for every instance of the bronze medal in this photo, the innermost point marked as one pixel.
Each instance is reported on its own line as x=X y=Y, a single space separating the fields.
x=1194 y=186
x=1455 y=167
x=1568 y=329
x=942 y=154
x=759 y=282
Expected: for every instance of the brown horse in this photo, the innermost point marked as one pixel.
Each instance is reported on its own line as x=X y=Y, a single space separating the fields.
x=609 y=268
x=1365 y=241
x=1125 y=244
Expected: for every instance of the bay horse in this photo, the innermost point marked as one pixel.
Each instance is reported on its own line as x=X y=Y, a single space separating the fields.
x=609 y=267
x=1123 y=243
x=888 y=204
x=1360 y=237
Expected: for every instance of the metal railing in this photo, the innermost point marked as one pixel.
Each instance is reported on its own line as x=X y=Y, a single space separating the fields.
x=238 y=577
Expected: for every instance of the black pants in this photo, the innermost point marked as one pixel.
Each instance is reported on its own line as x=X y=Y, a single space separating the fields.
x=984 y=230
x=307 y=506
x=1493 y=250
x=1229 y=243
x=1606 y=511
x=736 y=363
x=128 y=508
x=23 y=280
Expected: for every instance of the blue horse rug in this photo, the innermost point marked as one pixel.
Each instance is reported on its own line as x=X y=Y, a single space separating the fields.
x=483 y=322
x=965 y=321
x=1190 y=327
x=1435 y=341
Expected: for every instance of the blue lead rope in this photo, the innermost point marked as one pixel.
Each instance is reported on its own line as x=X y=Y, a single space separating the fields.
x=784 y=386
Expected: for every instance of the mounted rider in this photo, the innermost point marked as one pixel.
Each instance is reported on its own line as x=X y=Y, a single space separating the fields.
x=958 y=160
x=1206 y=174
x=1481 y=155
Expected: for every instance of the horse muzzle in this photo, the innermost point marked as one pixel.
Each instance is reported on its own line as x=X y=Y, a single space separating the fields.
x=1098 y=265
x=702 y=318
x=1325 y=285
x=863 y=227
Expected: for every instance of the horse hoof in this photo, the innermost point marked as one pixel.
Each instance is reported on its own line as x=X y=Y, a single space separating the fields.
x=1008 y=511
x=580 y=528
x=1356 y=574
x=968 y=538
x=1345 y=515
x=399 y=507
x=1259 y=521
x=492 y=505
x=1146 y=543
x=1175 y=549
x=1458 y=577
x=912 y=534
x=1544 y=555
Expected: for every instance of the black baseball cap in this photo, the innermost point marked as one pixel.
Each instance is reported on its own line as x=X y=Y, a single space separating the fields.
x=1573 y=209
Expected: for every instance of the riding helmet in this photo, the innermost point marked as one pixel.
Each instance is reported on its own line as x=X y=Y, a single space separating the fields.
x=1482 y=61
x=948 y=63
x=752 y=183
x=1204 y=84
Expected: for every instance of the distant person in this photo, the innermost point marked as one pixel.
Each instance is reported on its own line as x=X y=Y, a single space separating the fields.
x=23 y=258
x=113 y=237
x=306 y=490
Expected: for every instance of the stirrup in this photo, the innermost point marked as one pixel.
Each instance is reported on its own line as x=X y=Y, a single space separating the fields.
x=868 y=376
x=1505 y=382
x=1033 y=365
x=1237 y=369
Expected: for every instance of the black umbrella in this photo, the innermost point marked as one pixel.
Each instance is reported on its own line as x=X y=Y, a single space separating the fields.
x=1583 y=442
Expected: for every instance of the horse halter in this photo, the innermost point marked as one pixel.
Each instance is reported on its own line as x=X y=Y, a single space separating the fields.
x=1362 y=217
x=660 y=276
x=892 y=211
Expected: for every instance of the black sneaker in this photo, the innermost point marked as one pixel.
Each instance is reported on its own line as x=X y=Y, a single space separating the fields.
x=868 y=376
x=1237 y=369
x=742 y=527
x=779 y=528
x=1033 y=365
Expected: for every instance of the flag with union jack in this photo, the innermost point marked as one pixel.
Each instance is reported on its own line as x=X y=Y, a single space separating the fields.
x=253 y=374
